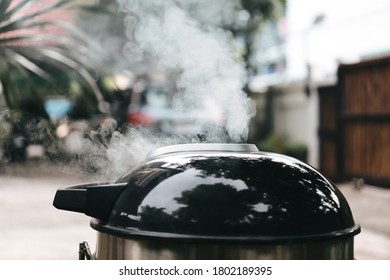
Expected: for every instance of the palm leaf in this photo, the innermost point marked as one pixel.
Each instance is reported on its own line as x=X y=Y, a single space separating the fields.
x=72 y=52
x=23 y=21
x=19 y=7
x=4 y=5
x=28 y=64
x=84 y=73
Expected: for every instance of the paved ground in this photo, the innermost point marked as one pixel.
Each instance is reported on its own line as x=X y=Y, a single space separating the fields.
x=31 y=228
x=371 y=209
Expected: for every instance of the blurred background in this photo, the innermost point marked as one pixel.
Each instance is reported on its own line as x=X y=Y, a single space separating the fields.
x=88 y=87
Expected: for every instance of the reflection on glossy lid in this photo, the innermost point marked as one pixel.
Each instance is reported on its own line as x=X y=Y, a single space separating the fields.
x=229 y=196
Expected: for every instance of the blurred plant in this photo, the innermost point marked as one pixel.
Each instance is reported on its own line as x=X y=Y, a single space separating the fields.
x=244 y=19
x=258 y=12
x=5 y=134
x=278 y=144
x=34 y=45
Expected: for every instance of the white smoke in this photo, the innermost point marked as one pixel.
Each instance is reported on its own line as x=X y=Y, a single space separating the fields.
x=211 y=77
x=183 y=36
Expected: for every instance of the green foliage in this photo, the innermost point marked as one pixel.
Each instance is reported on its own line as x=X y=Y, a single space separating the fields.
x=278 y=144
x=259 y=11
x=33 y=58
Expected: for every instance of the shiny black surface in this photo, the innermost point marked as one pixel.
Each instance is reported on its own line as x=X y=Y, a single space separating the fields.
x=211 y=195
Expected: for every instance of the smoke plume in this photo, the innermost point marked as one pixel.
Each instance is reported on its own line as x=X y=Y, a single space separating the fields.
x=183 y=37
x=211 y=77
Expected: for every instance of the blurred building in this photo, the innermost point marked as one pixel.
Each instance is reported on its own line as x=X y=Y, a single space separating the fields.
x=305 y=54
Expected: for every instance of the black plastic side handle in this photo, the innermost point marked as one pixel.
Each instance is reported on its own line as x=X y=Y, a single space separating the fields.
x=95 y=200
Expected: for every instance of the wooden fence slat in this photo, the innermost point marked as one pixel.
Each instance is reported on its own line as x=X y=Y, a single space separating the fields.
x=362 y=121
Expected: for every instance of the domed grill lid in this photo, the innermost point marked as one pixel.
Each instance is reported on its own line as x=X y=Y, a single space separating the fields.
x=227 y=193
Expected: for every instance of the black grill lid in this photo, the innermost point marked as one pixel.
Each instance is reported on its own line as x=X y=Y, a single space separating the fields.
x=229 y=192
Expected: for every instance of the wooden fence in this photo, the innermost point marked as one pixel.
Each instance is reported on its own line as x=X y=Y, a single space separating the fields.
x=355 y=123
